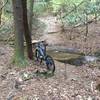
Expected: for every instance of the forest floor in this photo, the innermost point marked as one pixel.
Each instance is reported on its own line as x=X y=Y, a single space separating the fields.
x=69 y=82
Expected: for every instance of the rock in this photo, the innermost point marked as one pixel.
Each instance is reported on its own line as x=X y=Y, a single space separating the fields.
x=89 y=98
x=18 y=82
x=2 y=51
x=90 y=58
x=10 y=97
x=13 y=73
x=79 y=97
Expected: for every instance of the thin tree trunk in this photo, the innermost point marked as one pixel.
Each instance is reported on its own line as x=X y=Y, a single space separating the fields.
x=27 y=32
x=1 y=4
x=96 y=17
x=30 y=14
x=87 y=30
x=19 y=31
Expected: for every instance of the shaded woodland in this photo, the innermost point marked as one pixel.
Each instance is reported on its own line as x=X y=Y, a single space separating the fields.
x=71 y=31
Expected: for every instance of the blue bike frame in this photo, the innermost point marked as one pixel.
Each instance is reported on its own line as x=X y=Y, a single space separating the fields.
x=41 y=50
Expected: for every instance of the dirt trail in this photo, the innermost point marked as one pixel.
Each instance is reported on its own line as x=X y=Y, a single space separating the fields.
x=52 y=24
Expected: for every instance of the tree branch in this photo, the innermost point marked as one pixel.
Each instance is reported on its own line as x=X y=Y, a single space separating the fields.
x=88 y=22
x=73 y=9
x=4 y=5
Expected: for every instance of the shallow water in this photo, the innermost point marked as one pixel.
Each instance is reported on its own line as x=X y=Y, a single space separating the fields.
x=58 y=55
x=71 y=58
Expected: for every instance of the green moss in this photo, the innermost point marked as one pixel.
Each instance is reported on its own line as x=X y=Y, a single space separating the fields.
x=19 y=61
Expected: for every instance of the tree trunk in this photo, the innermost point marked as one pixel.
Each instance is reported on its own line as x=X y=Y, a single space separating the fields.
x=95 y=17
x=30 y=14
x=1 y=4
x=27 y=32
x=19 y=31
x=87 y=28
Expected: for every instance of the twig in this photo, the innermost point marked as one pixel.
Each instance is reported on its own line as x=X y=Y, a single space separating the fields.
x=89 y=22
x=3 y=5
x=73 y=9
x=65 y=71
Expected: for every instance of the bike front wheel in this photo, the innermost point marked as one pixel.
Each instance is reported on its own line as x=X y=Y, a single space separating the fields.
x=50 y=63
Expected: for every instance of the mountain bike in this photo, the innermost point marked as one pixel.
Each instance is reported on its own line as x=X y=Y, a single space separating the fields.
x=41 y=56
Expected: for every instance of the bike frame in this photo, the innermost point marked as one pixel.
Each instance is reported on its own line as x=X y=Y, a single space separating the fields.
x=41 y=48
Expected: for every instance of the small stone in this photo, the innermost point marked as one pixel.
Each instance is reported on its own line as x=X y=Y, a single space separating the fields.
x=18 y=82
x=89 y=98
x=79 y=97
x=13 y=73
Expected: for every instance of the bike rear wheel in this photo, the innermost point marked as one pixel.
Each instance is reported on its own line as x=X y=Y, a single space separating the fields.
x=50 y=63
